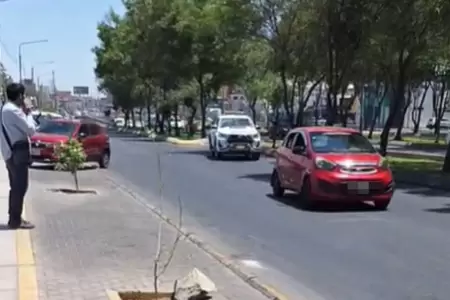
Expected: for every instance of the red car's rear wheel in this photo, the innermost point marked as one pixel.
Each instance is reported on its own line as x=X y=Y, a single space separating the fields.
x=277 y=189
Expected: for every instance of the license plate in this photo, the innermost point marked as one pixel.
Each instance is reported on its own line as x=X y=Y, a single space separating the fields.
x=35 y=152
x=240 y=147
x=361 y=187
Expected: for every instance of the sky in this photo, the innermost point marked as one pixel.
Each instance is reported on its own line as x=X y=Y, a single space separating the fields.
x=70 y=28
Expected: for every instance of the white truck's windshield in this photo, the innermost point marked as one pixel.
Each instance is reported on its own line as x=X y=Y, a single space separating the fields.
x=235 y=122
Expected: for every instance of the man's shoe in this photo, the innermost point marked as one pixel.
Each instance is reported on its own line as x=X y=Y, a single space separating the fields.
x=23 y=224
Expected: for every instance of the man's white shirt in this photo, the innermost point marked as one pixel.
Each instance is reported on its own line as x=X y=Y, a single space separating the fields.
x=18 y=126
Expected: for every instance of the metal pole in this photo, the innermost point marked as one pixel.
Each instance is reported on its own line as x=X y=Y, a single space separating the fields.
x=20 y=63
x=54 y=90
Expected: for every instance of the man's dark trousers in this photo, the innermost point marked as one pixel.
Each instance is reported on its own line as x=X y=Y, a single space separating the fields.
x=18 y=184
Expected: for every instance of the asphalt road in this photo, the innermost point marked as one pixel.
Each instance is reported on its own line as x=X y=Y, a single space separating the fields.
x=346 y=253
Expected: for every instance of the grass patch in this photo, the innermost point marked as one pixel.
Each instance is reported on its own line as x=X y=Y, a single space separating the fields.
x=185 y=136
x=415 y=164
x=418 y=140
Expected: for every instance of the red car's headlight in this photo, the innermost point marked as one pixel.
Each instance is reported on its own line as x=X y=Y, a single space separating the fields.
x=384 y=163
x=324 y=164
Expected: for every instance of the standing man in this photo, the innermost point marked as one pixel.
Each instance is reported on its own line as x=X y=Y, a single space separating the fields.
x=17 y=127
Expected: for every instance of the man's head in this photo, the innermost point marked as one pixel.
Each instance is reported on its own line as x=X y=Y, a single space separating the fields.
x=15 y=92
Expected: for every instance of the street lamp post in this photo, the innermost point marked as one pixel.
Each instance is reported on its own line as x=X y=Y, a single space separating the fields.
x=20 y=53
x=39 y=94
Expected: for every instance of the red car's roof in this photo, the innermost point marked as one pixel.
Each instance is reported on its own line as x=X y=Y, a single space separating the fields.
x=325 y=129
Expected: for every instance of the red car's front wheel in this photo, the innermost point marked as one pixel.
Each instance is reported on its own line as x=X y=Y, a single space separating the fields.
x=382 y=205
x=305 y=194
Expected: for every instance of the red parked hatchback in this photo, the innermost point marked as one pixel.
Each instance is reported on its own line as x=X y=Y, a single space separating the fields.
x=50 y=133
x=329 y=164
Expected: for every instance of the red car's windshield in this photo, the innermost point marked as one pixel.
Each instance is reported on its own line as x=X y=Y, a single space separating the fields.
x=54 y=127
x=340 y=142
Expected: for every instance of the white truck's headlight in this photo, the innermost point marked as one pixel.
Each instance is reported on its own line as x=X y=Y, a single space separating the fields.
x=221 y=135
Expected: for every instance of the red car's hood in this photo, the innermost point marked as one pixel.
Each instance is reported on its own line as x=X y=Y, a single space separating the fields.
x=352 y=159
x=49 y=138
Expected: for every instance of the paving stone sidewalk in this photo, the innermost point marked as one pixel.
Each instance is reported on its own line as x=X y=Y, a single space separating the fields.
x=8 y=256
x=86 y=244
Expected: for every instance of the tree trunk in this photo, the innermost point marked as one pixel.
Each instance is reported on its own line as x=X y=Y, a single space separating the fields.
x=399 y=97
x=253 y=109
x=417 y=111
x=398 y=133
x=277 y=119
x=202 y=104
x=141 y=109
x=286 y=101
x=149 y=116
x=133 y=118
x=175 y=113
x=446 y=166
x=192 y=129
x=127 y=118
x=75 y=179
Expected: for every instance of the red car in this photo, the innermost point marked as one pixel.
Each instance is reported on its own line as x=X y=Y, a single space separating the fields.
x=328 y=164
x=50 y=133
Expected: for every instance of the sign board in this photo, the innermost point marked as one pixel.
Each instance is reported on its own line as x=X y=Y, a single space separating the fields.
x=81 y=90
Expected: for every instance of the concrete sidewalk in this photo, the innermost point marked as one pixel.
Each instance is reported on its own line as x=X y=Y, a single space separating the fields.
x=17 y=267
x=86 y=245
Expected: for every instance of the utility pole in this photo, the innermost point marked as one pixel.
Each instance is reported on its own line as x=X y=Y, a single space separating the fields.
x=54 y=90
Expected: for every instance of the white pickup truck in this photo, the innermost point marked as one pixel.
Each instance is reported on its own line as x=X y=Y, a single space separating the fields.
x=234 y=134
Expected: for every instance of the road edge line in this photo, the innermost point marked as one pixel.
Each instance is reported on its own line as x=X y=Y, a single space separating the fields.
x=27 y=288
x=266 y=290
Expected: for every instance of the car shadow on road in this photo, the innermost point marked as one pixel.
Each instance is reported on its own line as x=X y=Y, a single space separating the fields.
x=258 y=177
x=440 y=210
x=207 y=154
x=419 y=190
x=292 y=200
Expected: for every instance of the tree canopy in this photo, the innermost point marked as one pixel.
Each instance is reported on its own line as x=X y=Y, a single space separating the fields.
x=168 y=55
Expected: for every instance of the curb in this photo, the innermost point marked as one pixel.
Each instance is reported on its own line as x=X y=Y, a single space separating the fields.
x=27 y=287
x=171 y=140
x=266 y=290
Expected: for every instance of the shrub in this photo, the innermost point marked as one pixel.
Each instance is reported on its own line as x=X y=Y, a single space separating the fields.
x=70 y=157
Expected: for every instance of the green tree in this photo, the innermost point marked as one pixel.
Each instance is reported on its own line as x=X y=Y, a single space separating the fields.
x=71 y=157
x=418 y=25
x=217 y=30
